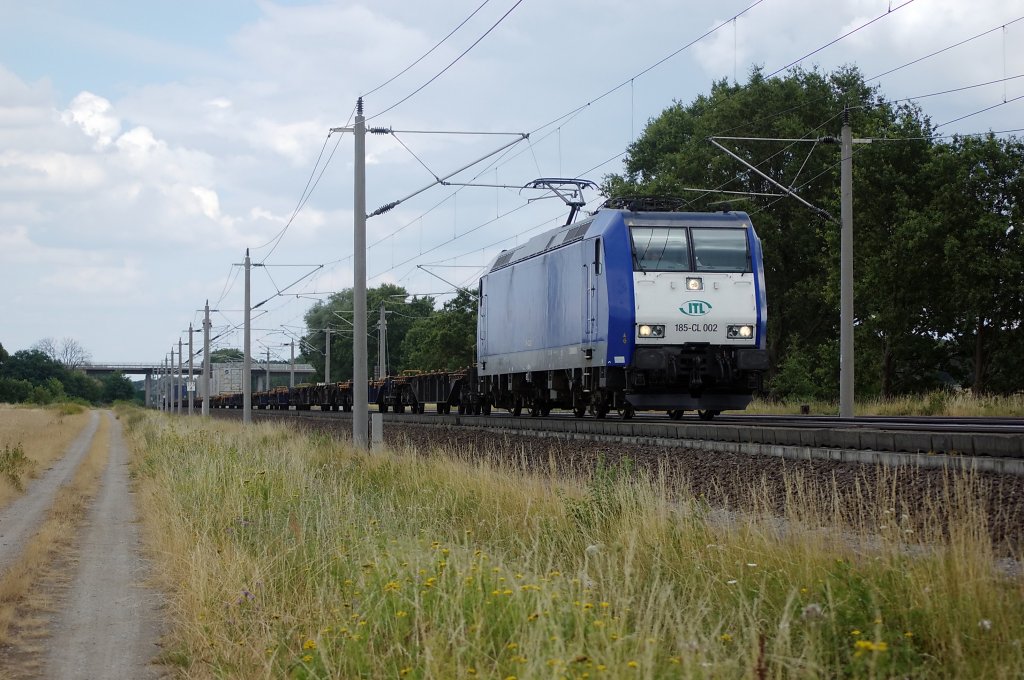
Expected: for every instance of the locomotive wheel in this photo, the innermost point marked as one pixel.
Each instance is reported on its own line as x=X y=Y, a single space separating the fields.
x=462 y=409
x=399 y=408
x=534 y=411
x=487 y=409
x=579 y=411
x=627 y=412
x=707 y=414
x=676 y=414
x=545 y=410
x=517 y=407
x=383 y=408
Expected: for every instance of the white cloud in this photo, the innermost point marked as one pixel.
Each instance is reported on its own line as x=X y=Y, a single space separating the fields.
x=52 y=171
x=94 y=116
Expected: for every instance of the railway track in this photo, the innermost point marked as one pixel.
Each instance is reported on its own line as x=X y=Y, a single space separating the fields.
x=986 y=444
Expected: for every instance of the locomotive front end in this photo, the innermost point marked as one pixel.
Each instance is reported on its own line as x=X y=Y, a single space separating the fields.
x=700 y=313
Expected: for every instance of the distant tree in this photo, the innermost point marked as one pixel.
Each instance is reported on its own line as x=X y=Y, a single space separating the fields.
x=445 y=340
x=13 y=391
x=3 y=358
x=117 y=387
x=977 y=215
x=226 y=355
x=335 y=313
x=78 y=385
x=34 y=366
x=68 y=351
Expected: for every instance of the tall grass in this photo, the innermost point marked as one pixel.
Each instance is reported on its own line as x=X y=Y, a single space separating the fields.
x=291 y=556
x=936 y=403
x=31 y=439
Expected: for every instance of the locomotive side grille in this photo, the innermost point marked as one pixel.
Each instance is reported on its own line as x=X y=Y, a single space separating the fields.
x=576 y=233
x=503 y=259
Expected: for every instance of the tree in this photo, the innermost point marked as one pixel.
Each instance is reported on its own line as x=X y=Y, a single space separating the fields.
x=445 y=340
x=68 y=351
x=977 y=212
x=335 y=313
x=117 y=387
x=226 y=355
x=34 y=366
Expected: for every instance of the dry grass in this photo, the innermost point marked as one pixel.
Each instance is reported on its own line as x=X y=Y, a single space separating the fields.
x=292 y=556
x=43 y=434
x=30 y=587
x=937 y=403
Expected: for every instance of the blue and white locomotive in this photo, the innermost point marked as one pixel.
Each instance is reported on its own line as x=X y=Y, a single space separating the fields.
x=633 y=308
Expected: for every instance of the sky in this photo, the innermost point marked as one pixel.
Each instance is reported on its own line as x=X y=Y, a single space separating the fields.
x=144 y=146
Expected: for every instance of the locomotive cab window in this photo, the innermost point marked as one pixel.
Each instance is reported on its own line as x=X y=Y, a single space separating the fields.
x=660 y=249
x=721 y=250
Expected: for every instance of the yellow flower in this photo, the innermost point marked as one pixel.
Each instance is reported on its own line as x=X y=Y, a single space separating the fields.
x=605 y=605
x=675 y=659
x=725 y=637
x=908 y=634
x=512 y=645
x=307 y=658
x=855 y=633
x=633 y=664
x=401 y=614
x=391 y=586
x=309 y=644
x=602 y=667
x=405 y=671
x=870 y=646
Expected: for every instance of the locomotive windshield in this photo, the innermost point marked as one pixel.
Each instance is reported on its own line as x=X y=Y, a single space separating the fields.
x=669 y=249
x=661 y=249
x=721 y=250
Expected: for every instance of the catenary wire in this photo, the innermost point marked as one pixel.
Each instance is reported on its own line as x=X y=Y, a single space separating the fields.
x=428 y=52
x=450 y=64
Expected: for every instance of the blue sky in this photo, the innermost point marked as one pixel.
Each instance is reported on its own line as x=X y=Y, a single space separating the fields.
x=145 y=146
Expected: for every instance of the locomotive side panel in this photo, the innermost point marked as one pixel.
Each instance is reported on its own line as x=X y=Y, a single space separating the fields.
x=533 y=315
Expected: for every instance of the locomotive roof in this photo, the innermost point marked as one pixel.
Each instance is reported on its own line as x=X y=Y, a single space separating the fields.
x=568 y=233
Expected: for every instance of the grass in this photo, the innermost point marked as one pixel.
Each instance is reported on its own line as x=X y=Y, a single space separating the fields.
x=31 y=439
x=289 y=555
x=937 y=403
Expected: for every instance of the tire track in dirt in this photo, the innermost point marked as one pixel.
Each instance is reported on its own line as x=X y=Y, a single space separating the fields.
x=20 y=520
x=108 y=624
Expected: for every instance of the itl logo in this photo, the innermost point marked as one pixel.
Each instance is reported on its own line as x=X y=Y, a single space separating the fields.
x=695 y=308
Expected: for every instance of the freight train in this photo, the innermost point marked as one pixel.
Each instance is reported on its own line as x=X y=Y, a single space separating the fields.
x=638 y=307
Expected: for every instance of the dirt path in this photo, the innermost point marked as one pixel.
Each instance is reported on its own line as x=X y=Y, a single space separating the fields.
x=109 y=624
x=105 y=622
x=23 y=517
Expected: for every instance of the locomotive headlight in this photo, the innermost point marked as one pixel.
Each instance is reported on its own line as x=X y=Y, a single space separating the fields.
x=694 y=283
x=744 y=331
x=646 y=330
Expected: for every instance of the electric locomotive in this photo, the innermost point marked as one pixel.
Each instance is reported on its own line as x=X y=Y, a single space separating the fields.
x=637 y=307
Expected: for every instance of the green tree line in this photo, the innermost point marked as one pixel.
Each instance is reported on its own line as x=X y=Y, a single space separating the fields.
x=32 y=376
x=419 y=337
x=939 y=255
